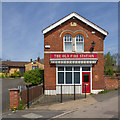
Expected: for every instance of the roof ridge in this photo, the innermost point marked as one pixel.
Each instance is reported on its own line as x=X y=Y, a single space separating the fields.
x=81 y=18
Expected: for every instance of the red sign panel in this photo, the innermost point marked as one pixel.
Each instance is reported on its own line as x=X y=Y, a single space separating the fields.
x=73 y=56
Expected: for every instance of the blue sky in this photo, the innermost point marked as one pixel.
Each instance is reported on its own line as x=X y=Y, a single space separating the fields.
x=23 y=22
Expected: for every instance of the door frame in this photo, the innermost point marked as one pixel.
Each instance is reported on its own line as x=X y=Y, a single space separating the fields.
x=89 y=80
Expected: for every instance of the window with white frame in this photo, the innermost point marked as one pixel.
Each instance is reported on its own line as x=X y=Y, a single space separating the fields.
x=68 y=43
x=70 y=74
x=79 y=43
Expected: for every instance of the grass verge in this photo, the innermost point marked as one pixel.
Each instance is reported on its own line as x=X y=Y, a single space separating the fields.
x=106 y=91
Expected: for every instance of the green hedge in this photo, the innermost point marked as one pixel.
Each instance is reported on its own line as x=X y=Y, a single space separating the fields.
x=35 y=76
x=16 y=74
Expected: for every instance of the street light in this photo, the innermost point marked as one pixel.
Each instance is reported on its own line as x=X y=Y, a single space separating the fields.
x=93 y=44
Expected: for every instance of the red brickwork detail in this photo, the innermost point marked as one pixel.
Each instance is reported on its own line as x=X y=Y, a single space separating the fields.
x=34 y=92
x=111 y=83
x=14 y=98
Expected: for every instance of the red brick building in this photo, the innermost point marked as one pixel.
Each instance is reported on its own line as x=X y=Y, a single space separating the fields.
x=73 y=54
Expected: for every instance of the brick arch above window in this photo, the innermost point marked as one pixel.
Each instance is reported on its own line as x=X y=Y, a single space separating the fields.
x=73 y=33
x=66 y=32
x=80 y=32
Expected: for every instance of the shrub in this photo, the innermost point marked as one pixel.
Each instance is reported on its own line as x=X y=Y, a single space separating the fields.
x=12 y=75
x=2 y=75
x=15 y=74
x=35 y=76
x=21 y=106
x=18 y=74
x=110 y=71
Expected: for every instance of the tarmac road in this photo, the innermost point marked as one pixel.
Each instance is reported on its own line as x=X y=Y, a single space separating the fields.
x=7 y=84
x=105 y=107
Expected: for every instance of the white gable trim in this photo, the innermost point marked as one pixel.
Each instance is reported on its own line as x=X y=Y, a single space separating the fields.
x=78 y=17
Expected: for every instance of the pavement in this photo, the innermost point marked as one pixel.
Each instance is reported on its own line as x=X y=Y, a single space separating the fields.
x=94 y=106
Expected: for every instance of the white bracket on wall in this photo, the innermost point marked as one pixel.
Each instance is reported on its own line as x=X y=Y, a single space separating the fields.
x=47 y=46
x=93 y=32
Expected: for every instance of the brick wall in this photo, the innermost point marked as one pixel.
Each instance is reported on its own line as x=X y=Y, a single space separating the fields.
x=34 y=92
x=14 y=98
x=54 y=38
x=111 y=83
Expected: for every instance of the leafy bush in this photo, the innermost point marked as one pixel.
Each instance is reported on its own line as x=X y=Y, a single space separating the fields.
x=35 y=76
x=110 y=71
x=21 y=106
x=18 y=74
x=15 y=74
x=2 y=75
x=12 y=75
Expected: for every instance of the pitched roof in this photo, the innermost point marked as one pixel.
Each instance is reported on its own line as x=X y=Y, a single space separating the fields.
x=74 y=14
x=13 y=63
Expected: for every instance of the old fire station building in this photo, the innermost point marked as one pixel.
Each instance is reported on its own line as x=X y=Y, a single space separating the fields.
x=73 y=55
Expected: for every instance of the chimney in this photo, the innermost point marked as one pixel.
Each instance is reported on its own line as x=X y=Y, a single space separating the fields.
x=30 y=60
x=38 y=59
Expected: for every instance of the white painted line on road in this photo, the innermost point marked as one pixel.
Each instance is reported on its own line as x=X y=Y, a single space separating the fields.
x=65 y=113
x=32 y=115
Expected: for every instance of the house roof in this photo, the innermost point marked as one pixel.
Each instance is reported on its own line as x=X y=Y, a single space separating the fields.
x=74 y=14
x=13 y=63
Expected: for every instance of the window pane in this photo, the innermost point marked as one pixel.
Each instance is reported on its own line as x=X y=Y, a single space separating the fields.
x=34 y=67
x=60 y=77
x=68 y=46
x=60 y=68
x=68 y=68
x=76 y=68
x=85 y=68
x=79 y=46
x=76 y=77
x=67 y=37
x=85 y=77
x=79 y=37
x=68 y=77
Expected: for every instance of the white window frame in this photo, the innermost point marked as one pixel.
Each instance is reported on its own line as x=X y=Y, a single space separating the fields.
x=67 y=41
x=72 y=73
x=79 y=42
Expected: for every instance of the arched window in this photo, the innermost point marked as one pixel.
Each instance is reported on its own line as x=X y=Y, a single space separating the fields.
x=79 y=43
x=67 y=42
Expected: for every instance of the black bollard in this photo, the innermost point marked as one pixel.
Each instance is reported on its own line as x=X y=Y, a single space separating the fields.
x=61 y=94
x=74 y=91
x=85 y=90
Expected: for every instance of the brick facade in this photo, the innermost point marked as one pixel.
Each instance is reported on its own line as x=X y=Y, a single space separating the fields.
x=54 y=38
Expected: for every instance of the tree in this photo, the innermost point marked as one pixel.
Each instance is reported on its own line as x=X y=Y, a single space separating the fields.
x=35 y=76
x=110 y=61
